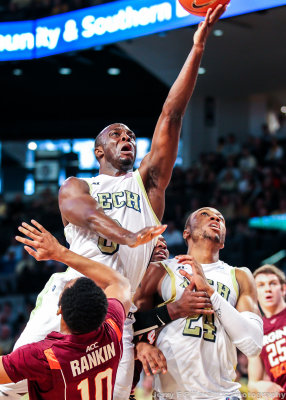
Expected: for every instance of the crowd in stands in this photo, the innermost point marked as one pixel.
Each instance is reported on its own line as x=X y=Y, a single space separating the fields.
x=242 y=180
x=13 y=10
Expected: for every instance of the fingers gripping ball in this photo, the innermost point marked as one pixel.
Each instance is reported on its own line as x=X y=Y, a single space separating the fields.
x=200 y=7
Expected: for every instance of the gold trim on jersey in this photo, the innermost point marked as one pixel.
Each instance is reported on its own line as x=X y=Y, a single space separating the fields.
x=142 y=187
x=173 y=285
x=234 y=282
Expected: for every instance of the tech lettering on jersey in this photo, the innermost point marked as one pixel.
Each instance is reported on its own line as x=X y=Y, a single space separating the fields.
x=108 y=201
x=93 y=359
x=222 y=289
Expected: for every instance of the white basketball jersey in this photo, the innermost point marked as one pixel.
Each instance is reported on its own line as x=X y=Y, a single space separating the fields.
x=123 y=199
x=200 y=356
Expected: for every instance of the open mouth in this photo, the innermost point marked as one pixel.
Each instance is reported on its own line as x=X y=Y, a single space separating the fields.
x=161 y=254
x=127 y=149
x=214 y=226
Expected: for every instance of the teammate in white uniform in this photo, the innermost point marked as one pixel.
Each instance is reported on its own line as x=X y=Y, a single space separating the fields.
x=86 y=212
x=200 y=356
x=201 y=350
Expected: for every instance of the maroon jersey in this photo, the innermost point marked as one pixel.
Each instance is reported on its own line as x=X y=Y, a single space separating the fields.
x=273 y=353
x=74 y=367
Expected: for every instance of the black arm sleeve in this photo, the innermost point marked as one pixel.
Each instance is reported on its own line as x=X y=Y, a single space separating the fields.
x=152 y=319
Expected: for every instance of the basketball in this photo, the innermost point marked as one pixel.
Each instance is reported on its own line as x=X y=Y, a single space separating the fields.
x=200 y=7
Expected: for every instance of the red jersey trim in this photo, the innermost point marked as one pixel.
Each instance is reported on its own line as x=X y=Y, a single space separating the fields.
x=115 y=327
x=52 y=359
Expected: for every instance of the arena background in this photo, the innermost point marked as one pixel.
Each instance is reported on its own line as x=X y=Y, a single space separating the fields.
x=232 y=152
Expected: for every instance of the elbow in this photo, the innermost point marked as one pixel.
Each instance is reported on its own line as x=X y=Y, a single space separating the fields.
x=172 y=113
x=250 y=347
x=254 y=352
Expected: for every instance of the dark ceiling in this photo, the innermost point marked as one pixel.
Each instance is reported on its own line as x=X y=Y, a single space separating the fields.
x=41 y=103
x=249 y=58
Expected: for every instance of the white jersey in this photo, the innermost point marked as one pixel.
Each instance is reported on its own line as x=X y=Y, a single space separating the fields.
x=123 y=199
x=200 y=356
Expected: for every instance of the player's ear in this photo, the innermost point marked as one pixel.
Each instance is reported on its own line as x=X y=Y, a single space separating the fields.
x=98 y=151
x=186 y=234
x=59 y=312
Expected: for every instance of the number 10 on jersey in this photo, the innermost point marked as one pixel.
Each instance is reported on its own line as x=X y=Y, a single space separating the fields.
x=83 y=386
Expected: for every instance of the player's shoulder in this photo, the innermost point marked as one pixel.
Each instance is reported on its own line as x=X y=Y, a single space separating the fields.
x=115 y=316
x=171 y=263
x=245 y=279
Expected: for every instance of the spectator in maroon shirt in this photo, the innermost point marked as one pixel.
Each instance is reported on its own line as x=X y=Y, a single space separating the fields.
x=81 y=361
x=267 y=372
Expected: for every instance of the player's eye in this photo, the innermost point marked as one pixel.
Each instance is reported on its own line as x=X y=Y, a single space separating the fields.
x=204 y=213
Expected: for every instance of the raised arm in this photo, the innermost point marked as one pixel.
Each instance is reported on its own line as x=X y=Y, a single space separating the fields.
x=44 y=246
x=80 y=208
x=156 y=167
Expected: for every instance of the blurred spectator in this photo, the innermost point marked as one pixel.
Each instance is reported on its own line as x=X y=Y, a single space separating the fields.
x=246 y=160
x=275 y=152
x=232 y=147
x=15 y=249
x=6 y=339
x=173 y=237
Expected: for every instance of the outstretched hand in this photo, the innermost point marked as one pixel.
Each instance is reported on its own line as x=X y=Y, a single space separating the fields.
x=43 y=246
x=145 y=235
x=206 y=26
x=199 y=278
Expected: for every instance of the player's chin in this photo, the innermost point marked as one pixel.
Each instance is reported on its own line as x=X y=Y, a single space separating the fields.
x=126 y=161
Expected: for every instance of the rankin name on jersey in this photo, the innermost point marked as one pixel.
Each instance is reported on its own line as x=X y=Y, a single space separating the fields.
x=93 y=359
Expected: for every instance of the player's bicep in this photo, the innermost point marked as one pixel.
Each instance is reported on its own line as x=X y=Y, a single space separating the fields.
x=75 y=202
x=4 y=378
x=247 y=300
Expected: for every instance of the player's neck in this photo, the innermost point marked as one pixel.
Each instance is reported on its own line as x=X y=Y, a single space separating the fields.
x=64 y=329
x=108 y=169
x=203 y=252
x=271 y=311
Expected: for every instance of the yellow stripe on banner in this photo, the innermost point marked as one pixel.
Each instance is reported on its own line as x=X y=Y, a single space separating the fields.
x=173 y=285
x=142 y=187
x=234 y=282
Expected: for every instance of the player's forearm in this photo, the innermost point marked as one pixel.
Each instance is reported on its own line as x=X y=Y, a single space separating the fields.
x=85 y=212
x=182 y=89
x=245 y=329
x=101 y=274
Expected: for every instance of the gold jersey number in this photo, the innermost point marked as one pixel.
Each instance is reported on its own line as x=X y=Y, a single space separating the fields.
x=208 y=331
x=107 y=246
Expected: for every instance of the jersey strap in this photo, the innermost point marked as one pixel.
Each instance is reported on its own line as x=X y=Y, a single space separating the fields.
x=115 y=327
x=52 y=359
x=173 y=284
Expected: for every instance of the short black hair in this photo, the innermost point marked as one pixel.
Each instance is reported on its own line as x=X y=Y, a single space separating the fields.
x=84 y=306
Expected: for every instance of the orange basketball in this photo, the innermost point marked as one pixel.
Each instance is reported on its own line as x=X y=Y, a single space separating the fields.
x=200 y=7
